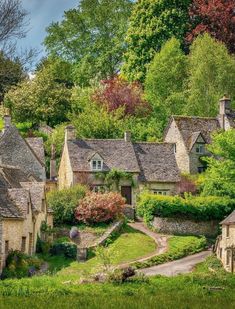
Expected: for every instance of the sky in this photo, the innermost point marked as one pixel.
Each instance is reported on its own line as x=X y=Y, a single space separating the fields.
x=41 y=14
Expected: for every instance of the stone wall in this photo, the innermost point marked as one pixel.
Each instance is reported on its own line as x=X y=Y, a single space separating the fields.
x=185 y=227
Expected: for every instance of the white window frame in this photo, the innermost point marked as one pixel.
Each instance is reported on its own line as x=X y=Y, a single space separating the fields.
x=200 y=148
x=161 y=192
x=96 y=165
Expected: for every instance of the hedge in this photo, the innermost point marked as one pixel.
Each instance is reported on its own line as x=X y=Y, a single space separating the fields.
x=178 y=247
x=196 y=208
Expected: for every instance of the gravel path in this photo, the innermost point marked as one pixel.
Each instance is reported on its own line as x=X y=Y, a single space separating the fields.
x=174 y=268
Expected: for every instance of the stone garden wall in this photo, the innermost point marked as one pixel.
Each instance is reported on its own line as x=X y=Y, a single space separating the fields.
x=185 y=227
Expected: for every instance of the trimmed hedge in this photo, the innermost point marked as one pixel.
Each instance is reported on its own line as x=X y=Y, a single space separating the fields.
x=179 y=247
x=196 y=208
x=67 y=249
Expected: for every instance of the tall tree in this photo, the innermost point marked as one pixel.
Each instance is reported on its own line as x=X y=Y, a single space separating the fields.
x=216 y=17
x=92 y=37
x=211 y=74
x=166 y=79
x=152 y=23
x=220 y=176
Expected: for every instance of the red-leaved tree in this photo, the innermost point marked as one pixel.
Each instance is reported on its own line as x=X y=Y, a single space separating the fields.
x=186 y=185
x=98 y=207
x=217 y=17
x=116 y=93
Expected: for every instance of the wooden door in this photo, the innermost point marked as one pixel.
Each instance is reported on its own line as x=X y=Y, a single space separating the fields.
x=126 y=192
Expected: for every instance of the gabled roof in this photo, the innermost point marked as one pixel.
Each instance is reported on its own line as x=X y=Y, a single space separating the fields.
x=117 y=154
x=191 y=127
x=157 y=162
x=194 y=138
x=230 y=219
x=11 y=176
x=8 y=208
x=37 y=193
x=36 y=144
x=21 y=199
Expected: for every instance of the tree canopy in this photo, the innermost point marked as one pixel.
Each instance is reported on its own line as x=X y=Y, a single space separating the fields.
x=91 y=36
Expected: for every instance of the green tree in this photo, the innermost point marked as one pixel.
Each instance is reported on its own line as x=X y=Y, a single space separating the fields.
x=211 y=74
x=165 y=80
x=152 y=23
x=91 y=37
x=41 y=99
x=220 y=176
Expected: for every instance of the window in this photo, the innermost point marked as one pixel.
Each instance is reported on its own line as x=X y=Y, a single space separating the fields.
x=228 y=257
x=6 y=246
x=201 y=169
x=160 y=192
x=23 y=244
x=200 y=148
x=220 y=252
x=227 y=230
x=175 y=149
x=99 y=189
x=28 y=206
x=96 y=165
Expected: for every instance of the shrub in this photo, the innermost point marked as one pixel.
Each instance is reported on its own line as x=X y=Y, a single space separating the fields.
x=179 y=247
x=64 y=203
x=67 y=249
x=191 y=207
x=97 y=207
x=19 y=265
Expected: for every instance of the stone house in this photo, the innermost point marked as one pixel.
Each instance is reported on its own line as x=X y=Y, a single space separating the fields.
x=225 y=244
x=152 y=165
x=23 y=206
x=190 y=136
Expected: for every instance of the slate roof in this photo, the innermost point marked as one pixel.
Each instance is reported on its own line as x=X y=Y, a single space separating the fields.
x=157 y=162
x=21 y=199
x=191 y=127
x=152 y=161
x=11 y=176
x=8 y=208
x=37 y=193
x=117 y=154
x=230 y=219
x=36 y=144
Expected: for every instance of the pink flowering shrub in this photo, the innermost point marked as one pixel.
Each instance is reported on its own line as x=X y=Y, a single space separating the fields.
x=97 y=207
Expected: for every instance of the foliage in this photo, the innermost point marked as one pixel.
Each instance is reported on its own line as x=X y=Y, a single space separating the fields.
x=187 y=185
x=39 y=100
x=97 y=207
x=19 y=265
x=105 y=258
x=117 y=92
x=56 y=138
x=165 y=80
x=191 y=207
x=152 y=23
x=112 y=178
x=220 y=176
x=91 y=36
x=67 y=249
x=42 y=246
x=214 y=17
x=178 y=247
x=211 y=74
x=64 y=202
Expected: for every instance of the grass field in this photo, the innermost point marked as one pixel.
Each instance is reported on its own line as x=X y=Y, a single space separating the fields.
x=186 y=291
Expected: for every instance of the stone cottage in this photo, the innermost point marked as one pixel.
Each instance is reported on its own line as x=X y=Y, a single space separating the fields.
x=23 y=205
x=225 y=244
x=152 y=165
x=190 y=136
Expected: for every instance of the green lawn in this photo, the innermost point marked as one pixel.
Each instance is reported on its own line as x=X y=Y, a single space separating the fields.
x=185 y=291
x=130 y=245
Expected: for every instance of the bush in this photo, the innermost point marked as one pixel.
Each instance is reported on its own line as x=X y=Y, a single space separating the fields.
x=64 y=203
x=179 y=247
x=19 y=265
x=67 y=249
x=191 y=207
x=97 y=207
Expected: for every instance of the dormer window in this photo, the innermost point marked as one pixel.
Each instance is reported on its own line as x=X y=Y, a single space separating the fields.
x=200 y=148
x=96 y=165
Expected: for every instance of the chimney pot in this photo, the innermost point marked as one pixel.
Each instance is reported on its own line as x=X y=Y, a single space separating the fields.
x=127 y=136
x=70 y=133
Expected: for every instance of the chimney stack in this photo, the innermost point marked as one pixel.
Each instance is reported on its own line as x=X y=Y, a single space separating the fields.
x=225 y=105
x=70 y=133
x=53 y=173
x=127 y=136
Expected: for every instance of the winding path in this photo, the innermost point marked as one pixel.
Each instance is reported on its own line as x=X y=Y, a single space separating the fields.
x=174 y=268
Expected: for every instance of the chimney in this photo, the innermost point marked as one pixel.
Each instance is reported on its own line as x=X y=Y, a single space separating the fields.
x=225 y=105
x=53 y=173
x=7 y=121
x=70 y=133
x=127 y=136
